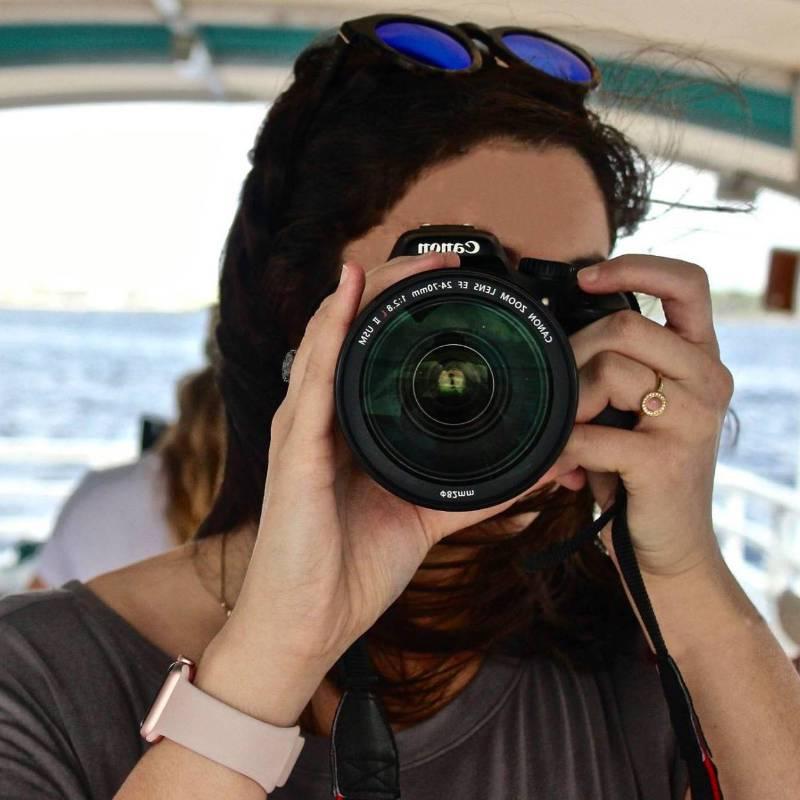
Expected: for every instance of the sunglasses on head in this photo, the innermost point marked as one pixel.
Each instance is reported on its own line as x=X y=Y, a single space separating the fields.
x=431 y=46
x=434 y=48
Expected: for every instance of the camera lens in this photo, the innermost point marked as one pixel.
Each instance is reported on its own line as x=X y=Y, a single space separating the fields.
x=456 y=391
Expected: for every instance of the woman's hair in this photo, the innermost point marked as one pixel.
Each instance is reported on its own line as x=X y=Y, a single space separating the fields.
x=326 y=168
x=192 y=449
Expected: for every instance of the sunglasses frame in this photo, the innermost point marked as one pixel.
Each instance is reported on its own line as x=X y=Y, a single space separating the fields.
x=364 y=30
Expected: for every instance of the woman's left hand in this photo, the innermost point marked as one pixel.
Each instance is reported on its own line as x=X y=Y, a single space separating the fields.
x=666 y=462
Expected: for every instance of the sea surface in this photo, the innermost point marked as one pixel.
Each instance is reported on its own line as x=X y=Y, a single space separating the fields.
x=82 y=381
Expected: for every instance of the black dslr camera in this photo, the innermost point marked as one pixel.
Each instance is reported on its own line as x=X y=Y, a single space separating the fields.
x=457 y=388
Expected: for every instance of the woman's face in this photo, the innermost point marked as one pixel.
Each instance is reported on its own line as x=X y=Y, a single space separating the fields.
x=540 y=203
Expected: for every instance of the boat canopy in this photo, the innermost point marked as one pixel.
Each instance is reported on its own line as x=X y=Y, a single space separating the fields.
x=713 y=83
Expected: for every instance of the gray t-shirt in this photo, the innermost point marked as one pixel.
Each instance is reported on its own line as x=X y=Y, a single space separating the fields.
x=76 y=680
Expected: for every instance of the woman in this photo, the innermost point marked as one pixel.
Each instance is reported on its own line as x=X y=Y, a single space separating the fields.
x=123 y=514
x=311 y=554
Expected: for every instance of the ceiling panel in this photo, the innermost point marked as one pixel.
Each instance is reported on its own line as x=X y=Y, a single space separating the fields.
x=84 y=50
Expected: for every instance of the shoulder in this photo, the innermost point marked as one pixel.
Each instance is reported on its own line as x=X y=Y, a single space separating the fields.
x=64 y=658
x=132 y=619
x=66 y=654
x=33 y=616
x=65 y=629
x=41 y=634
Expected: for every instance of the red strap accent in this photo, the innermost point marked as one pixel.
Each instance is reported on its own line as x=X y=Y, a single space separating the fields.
x=713 y=778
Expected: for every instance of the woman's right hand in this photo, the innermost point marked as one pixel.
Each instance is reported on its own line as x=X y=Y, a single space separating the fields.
x=334 y=548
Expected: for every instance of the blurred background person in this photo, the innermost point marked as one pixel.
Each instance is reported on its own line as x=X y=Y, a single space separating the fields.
x=123 y=514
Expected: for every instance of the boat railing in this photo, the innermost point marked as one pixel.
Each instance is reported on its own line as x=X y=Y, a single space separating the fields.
x=757 y=522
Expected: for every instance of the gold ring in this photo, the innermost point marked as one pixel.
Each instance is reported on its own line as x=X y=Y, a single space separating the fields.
x=650 y=409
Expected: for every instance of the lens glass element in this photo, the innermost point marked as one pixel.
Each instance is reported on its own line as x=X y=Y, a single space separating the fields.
x=456 y=389
x=453 y=384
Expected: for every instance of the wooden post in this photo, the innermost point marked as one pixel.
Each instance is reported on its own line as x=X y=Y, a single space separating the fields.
x=782 y=281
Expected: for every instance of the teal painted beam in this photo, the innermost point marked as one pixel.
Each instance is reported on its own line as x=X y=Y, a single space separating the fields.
x=237 y=43
x=82 y=44
x=743 y=110
x=747 y=111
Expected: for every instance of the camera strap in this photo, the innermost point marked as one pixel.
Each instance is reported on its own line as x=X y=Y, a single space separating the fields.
x=694 y=749
x=363 y=753
x=364 y=762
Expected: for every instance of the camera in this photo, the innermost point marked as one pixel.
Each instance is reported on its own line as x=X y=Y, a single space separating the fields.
x=457 y=388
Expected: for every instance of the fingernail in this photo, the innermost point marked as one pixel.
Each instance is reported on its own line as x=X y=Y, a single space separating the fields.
x=343 y=274
x=588 y=274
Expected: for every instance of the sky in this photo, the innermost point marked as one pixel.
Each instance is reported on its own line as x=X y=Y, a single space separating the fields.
x=127 y=205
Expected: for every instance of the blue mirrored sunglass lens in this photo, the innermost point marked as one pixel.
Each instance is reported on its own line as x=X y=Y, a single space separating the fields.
x=424 y=44
x=549 y=57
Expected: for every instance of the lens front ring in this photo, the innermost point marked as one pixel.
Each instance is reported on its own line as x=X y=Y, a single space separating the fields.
x=441 y=290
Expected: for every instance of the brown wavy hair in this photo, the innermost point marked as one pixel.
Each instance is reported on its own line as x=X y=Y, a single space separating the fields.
x=325 y=170
x=192 y=452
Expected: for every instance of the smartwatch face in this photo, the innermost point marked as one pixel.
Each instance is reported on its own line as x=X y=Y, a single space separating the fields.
x=184 y=669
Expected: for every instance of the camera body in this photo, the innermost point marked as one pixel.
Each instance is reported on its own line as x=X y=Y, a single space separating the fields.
x=554 y=282
x=457 y=388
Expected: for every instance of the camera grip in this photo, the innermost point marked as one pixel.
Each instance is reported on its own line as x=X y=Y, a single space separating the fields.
x=614 y=418
x=582 y=316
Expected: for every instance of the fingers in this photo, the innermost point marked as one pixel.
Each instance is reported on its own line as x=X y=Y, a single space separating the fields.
x=284 y=415
x=682 y=287
x=313 y=396
x=598 y=448
x=639 y=338
x=610 y=378
x=329 y=323
x=375 y=282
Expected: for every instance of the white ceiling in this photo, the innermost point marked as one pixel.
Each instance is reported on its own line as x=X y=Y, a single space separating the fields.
x=756 y=42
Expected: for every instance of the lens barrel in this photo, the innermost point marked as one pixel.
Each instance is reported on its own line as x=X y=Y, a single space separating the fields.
x=456 y=389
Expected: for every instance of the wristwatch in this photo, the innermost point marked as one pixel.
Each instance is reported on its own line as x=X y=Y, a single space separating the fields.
x=185 y=714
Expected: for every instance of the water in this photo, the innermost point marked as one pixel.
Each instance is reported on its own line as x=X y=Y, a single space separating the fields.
x=80 y=379
x=765 y=362
x=90 y=375
x=75 y=378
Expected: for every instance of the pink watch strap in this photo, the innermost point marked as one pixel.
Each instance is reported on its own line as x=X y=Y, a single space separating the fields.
x=261 y=751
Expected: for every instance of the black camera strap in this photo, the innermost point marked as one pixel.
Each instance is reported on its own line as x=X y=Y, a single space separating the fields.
x=703 y=777
x=364 y=762
x=561 y=550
